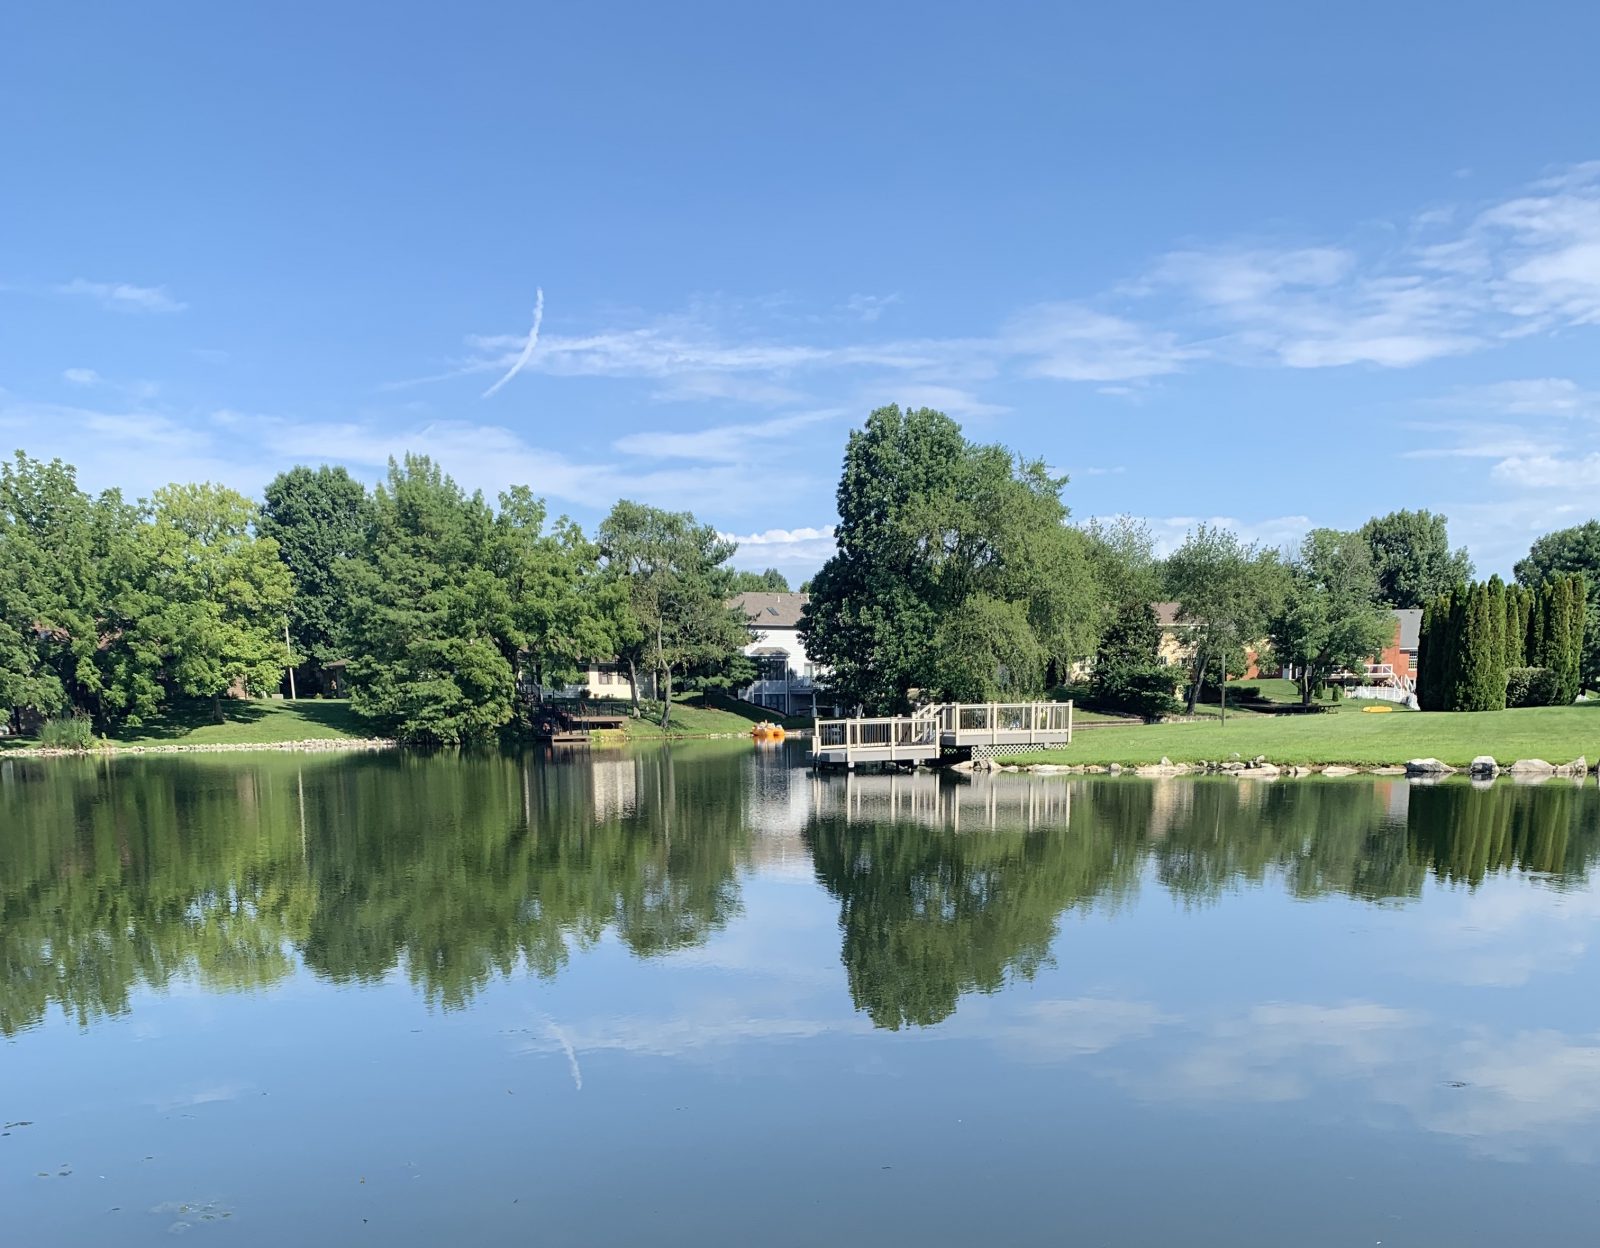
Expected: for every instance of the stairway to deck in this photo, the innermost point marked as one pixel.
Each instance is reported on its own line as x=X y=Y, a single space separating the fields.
x=944 y=731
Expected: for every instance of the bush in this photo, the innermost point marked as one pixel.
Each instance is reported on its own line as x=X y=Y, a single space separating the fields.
x=1244 y=693
x=1145 y=691
x=1532 y=686
x=71 y=732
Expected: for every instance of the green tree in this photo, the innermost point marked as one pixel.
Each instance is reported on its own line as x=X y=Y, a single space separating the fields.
x=1331 y=617
x=50 y=587
x=1571 y=551
x=1227 y=591
x=1480 y=683
x=322 y=520
x=217 y=593
x=433 y=624
x=677 y=583
x=1411 y=557
x=1128 y=673
x=956 y=574
x=771 y=581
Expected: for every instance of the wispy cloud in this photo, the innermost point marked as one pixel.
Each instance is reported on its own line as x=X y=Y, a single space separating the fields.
x=869 y=308
x=81 y=377
x=731 y=444
x=123 y=296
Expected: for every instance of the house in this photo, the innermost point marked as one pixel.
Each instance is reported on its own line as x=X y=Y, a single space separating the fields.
x=598 y=679
x=1178 y=635
x=786 y=680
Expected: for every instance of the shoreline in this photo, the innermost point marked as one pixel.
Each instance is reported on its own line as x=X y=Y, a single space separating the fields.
x=1484 y=767
x=316 y=745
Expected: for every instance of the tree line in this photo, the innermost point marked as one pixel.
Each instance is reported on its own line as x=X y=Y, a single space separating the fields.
x=426 y=602
x=959 y=575
x=1487 y=646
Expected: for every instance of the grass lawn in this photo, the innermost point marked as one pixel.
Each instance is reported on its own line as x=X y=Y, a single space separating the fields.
x=691 y=719
x=1557 y=734
x=253 y=722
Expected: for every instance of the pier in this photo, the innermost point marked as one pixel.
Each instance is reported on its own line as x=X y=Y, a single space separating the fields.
x=944 y=732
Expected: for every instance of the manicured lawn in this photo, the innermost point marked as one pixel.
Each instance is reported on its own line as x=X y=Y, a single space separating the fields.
x=693 y=720
x=256 y=722
x=1557 y=734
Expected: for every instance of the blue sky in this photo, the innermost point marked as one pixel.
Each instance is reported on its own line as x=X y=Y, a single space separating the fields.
x=1278 y=267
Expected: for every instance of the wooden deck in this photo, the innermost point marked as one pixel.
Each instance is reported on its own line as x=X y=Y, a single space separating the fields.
x=947 y=730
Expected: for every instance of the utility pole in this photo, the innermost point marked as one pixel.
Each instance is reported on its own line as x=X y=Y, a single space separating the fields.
x=1222 y=685
x=288 y=651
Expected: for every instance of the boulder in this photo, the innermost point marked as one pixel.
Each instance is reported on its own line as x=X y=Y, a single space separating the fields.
x=1114 y=769
x=1428 y=767
x=1577 y=767
x=1266 y=771
x=1338 y=769
x=1388 y=771
x=1484 y=767
x=1530 y=767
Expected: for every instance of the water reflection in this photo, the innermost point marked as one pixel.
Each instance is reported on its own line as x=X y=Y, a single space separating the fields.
x=452 y=872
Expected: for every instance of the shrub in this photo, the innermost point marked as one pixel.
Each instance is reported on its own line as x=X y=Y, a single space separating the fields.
x=1532 y=686
x=70 y=732
x=1145 y=691
x=1244 y=693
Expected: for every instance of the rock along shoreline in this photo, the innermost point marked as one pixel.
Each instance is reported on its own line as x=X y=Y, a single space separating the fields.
x=316 y=745
x=1482 y=768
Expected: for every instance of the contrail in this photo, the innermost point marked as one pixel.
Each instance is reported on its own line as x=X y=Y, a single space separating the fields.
x=527 y=349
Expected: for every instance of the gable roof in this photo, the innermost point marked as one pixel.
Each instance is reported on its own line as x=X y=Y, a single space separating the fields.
x=770 y=610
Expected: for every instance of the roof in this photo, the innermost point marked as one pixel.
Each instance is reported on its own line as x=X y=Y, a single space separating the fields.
x=1166 y=613
x=1410 y=622
x=768 y=610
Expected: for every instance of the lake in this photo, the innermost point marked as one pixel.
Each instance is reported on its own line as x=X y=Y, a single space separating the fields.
x=695 y=995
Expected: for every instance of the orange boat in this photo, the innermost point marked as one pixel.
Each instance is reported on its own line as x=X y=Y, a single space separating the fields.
x=767 y=732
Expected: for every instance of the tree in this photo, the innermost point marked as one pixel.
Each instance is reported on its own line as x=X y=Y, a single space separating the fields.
x=49 y=587
x=677 y=587
x=1226 y=590
x=1480 y=682
x=321 y=520
x=433 y=628
x=1411 y=557
x=1122 y=553
x=217 y=594
x=956 y=575
x=1331 y=617
x=771 y=581
x=1128 y=673
x=1568 y=551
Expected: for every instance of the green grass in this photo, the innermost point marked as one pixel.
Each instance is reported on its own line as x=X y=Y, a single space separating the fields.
x=1558 y=734
x=253 y=722
x=690 y=719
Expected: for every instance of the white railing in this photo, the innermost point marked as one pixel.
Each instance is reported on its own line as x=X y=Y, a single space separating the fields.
x=893 y=732
x=948 y=723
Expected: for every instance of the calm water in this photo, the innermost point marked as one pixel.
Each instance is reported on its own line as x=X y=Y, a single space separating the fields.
x=699 y=997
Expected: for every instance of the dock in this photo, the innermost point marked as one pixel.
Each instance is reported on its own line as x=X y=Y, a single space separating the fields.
x=944 y=732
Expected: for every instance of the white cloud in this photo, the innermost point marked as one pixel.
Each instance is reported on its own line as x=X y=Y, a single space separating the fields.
x=1550 y=472
x=1070 y=342
x=1276 y=532
x=81 y=377
x=730 y=444
x=869 y=308
x=806 y=548
x=123 y=296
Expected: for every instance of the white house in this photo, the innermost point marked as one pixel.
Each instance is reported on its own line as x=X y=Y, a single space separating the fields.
x=786 y=680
